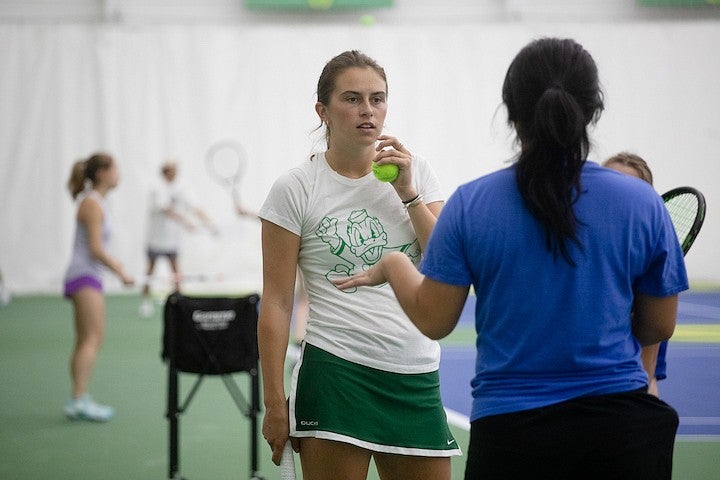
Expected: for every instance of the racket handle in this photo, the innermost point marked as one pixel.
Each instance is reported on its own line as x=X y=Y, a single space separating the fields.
x=287 y=463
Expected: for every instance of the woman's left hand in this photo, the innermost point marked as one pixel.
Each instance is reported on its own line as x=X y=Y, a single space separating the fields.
x=391 y=150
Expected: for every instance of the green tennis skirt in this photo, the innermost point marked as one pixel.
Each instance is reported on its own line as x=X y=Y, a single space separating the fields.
x=335 y=399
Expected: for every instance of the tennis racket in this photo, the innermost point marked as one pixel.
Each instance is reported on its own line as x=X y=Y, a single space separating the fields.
x=287 y=463
x=226 y=162
x=686 y=206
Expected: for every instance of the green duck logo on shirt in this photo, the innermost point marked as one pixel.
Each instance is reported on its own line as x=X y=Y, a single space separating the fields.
x=366 y=242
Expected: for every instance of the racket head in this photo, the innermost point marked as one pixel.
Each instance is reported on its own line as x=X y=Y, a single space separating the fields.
x=686 y=206
x=226 y=162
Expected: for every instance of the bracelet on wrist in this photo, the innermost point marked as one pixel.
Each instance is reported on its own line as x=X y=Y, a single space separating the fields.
x=405 y=202
x=414 y=202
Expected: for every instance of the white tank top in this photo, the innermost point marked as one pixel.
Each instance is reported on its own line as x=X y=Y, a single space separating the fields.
x=81 y=261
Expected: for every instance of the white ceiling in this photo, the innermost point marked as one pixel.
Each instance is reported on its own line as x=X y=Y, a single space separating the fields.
x=421 y=12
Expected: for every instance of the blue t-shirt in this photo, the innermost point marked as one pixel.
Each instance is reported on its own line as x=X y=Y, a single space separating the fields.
x=548 y=331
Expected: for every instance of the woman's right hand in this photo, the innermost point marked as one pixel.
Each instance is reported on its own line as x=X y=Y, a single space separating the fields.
x=127 y=280
x=391 y=150
x=276 y=429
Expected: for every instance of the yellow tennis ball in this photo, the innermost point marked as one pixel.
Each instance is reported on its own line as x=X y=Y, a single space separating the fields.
x=367 y=20
x=385 y=173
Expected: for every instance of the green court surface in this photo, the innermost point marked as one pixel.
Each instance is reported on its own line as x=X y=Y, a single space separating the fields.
x=36 y=441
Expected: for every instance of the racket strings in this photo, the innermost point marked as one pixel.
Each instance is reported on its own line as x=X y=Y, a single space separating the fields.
x=683 y=210
x=226 y=162
x=226 y=166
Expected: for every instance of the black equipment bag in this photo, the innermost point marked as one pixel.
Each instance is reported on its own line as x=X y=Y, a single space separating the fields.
x=211 y=335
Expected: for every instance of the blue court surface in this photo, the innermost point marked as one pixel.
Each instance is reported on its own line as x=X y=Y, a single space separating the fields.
x=693 y=367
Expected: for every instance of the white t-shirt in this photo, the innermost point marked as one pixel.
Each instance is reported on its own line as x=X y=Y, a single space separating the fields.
x=346 y=225
x=165 y=232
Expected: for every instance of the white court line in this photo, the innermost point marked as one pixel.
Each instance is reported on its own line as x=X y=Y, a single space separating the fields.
x=462 y=422
x=457 y=419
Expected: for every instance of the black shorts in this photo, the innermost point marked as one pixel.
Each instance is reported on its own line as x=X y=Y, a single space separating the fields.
x=153 y=254
x=618 y=436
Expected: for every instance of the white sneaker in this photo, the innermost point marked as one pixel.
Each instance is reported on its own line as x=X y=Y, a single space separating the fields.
x=85 y=408
x=5 y=296
x=147 y=309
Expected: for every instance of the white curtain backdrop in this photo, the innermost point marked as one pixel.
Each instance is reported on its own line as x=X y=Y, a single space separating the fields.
x=143 y=93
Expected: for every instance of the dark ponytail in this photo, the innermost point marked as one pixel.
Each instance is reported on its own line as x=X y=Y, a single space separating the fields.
x=76 y=182
x=552 y=93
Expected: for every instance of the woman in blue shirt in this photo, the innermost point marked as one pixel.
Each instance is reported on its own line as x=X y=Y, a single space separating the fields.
x=558 y=250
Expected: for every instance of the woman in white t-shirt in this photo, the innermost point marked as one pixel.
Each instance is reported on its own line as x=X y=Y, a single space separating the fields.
x=366 y=385
x=172 y=211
